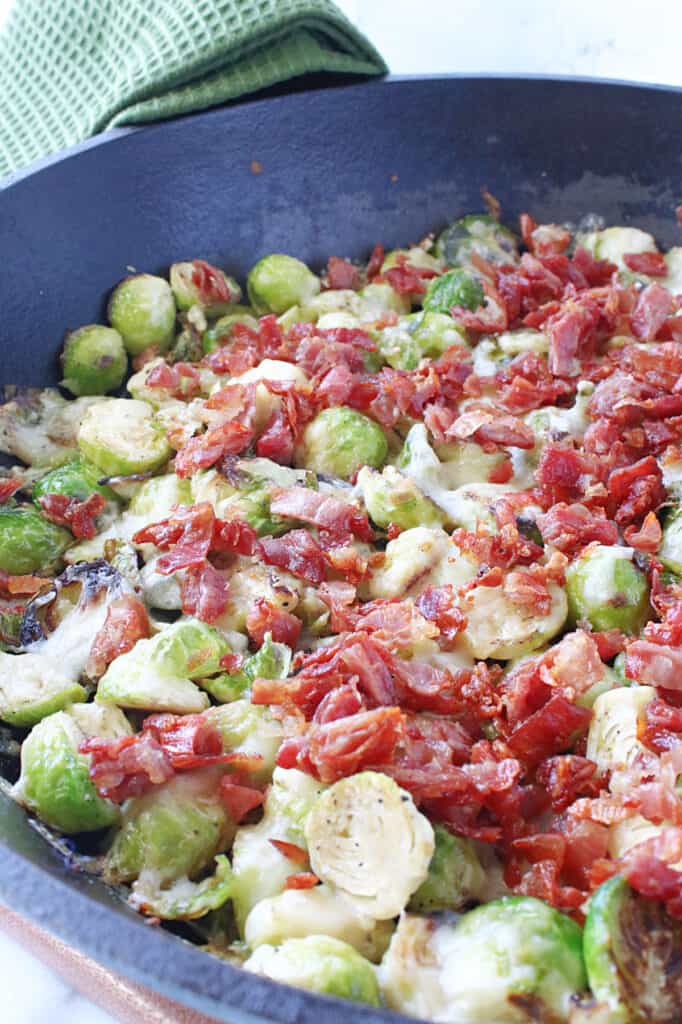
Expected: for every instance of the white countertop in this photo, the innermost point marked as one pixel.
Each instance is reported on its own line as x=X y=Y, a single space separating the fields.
x=568 y=37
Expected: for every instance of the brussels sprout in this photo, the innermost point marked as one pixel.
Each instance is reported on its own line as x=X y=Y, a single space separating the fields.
x=465 y=462
x=247 y=494
x=455 y=875
x=613 y=243
x=617 y=721
x=633 y=956
x=371 y=303
x=479 y=233
x=156 y=497
x=28 y=541
x=142 y=310
x=271 y=661
x=266 y=403
x=122 y=437
x=39 y=426
x=418 y=557
x=172 y=832
x=260 y=869
x=367 y=839
x=183 y=900
x=94 y=360
x=157 y=674
x=55 y=781
x=252 y=729
x=297 y=913
x=419 y=335
x=606 y=588
x=32 y=687
x=670 y=551
x=380 y=298
x=220 y=333
x=391 y=497
x=673 y=280
x=318 y=963
x=198 y=283
x=340 y=440
x=505 y=961
x=416 y=257
x=77 y=478
x=456 y=288
x=277 y=282
x=499 y=628
x=513 y=343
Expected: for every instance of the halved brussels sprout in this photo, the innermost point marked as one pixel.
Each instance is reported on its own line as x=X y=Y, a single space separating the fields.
x=524 y=339
x=252 y=729
x=197 y=283
x=499 y=628
x=157 y=674
x=318 y=963
x=417 y=557
x=380 y=298
x=220 y=333
x=340 y=440
x=418 y=335
x=142 y=310
x=455 y=875
x=28 y=542
x=633 y=956
x=260 y=869
x=267 y=403
x=245 y=496
x=416 y=257
x=39 y=426
x=296 y=913
x=122 y=437
x=183 y=900
x=156 y=497
x=367 y=839
x=617 y=721
x=271 y=661
x=605 y=587
x=32 y=686
x=278 y=282
x=55 y=781
x=77 y=478
x=94 y=360
x=508 y=961
x=391 y=497
x=670 y=551
x=479 y=233
x=613 y=243
x=455 y=288
x=172 y=832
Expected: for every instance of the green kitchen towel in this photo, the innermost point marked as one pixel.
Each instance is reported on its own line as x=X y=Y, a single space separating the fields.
x=70 y=68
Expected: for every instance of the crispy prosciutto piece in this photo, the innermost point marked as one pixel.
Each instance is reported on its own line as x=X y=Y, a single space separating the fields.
x=181 y=380
x=204 y=451
x=289 y=850
x=264 y=617
x=525 y=384
x=648 y=537
x=439 y=605
x=566 y=777
x=491 y=430
x=654 y=306
x=342 y=274
x=298 y=553
x=204 y=592
x=548 y=731
x=302 y=880
x=22 y=586
x=635 y=490
x=190 y=533
x=571 y=527
x=663 y=726
x=277 y=440
x=210 y=283
x=127 y=767
x=8 y=488
x=650 y=263
x=647 y=868
x=239 y=797
x=77 y=516
x=337 y=517
x=126 y=622
x=596 y=272
x=375 y=261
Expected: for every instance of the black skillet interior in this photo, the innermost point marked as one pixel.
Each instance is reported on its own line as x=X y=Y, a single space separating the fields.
x=338 y=170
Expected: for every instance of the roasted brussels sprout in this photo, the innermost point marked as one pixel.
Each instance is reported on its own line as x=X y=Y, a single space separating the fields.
x=77 y=478
x=498 y=628
x=142 y=310
x=367 y=839
x=252 y=729
x=157 y=674
x=617 y=721
x=28 y=541
x=633 y=956
x=55 y=779
x=94 y=360
x=271 y=661
x=670 y=551
x=605 y=587
x=172 y=832
x=198 y=283
x=183 y=900
x=220 y=333
x=340 y=440
x=39 y=426
x=479 y=233
x=613 y=243
x=155 y=498
x=320 y=964
x=32 y=687
x=278 y=282
x=122 y=437
x=455 y=288
x=455 y=875
x=247 y=498
x=508 y=961
x=418 y=335
x=391 y=497
x=417 y=557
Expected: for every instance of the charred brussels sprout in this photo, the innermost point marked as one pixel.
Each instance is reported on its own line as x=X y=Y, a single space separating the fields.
x=28 y=542
x=391 y=497
x=278 y=282
x=220 y=333
x=76 y=478
x=605 y=587
x=455 y=875
x=198 y=283
x=122 y=437
x=367 y=839
x=456 y=288
x=142 y=310
x=476 y=233
x=55 y=779
x=633 y=956
x=318 y=963
x=94 y=360
x=340 y=440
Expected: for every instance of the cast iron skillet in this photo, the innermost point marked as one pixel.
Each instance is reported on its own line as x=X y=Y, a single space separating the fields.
x=341 y=169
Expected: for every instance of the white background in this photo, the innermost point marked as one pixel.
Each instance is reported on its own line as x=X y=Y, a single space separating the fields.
x=606 y=38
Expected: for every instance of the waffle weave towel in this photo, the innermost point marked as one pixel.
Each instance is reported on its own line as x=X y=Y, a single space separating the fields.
x=70 y=68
